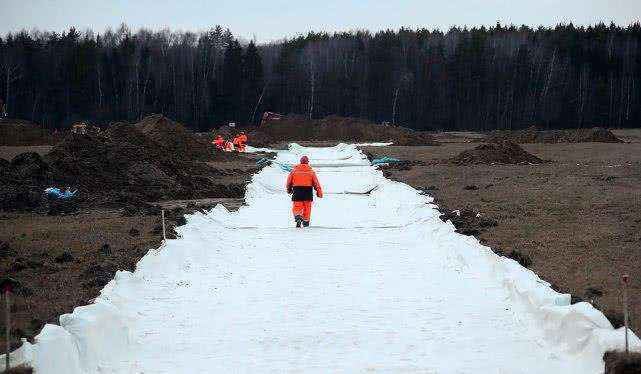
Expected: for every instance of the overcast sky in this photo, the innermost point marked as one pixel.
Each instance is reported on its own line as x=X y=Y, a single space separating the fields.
x=275 y=19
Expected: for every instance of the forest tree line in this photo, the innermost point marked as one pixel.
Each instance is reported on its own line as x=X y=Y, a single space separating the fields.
x=476 y=79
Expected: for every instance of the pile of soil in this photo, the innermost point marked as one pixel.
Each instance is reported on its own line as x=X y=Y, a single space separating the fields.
x=21 y=181
x=534 y=135
x=152 y=160
x=336 y=128
x=596 y=135
x=173 y=136
x=496 y=153
x=156 y=159
x=16 y=132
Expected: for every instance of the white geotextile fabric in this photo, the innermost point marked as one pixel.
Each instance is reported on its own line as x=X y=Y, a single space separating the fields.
x=378 y=284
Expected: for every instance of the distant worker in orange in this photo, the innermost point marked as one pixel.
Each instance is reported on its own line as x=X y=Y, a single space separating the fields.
x=229 y=146
x=235 y=141
x=242 y=141
x=219 y=142
x=301 y=183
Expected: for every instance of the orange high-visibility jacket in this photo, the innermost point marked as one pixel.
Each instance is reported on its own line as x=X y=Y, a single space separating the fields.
x=219 y=142
x=301 y=182
x=242 y=139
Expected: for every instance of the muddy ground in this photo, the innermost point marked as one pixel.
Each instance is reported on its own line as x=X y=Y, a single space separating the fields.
x=576 y=221
x=62 y=261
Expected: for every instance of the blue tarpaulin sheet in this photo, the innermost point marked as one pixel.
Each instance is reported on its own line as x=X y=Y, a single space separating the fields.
x=385 y=160
x=284 y=167
x=57 y=193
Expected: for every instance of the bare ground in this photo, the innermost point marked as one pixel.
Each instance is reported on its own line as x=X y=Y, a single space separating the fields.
x=9 y=152
x=63 y=261
x=578 y=218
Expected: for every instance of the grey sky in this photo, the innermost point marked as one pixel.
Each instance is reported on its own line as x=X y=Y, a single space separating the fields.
x=275 y=19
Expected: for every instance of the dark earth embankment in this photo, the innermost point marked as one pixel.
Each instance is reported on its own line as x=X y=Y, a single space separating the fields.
x=534 y=135
x=503 y=152
x=125 y=164
x=293 y=128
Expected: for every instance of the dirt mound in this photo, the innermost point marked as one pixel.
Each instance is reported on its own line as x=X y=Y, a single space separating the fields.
x=336 y=128
x=173 y=136
x=130 y=167
x=29 y=166
x=596 y=135
x=127 y=164
x=4 y=166
x=496 y=153
x=21 y=181
x=15 y=132
x=534 y=135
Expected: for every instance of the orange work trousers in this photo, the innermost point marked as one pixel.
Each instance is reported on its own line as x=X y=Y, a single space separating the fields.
x=303 y=209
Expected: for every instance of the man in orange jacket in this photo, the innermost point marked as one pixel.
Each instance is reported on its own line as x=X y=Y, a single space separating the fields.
x=242 y=141
x=301 y=183
x=219 y=142
x=235 y=142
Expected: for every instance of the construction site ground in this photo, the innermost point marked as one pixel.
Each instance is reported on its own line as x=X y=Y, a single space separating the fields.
x=577 y=219
x=63 y=261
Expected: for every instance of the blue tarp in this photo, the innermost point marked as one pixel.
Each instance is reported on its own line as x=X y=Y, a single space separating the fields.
x=57 y=193
x=385 y=160
x=284 y=167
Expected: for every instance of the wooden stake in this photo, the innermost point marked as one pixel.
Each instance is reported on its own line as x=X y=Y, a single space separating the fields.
x=8 y=328
x=626 y=279
x=164 y=233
